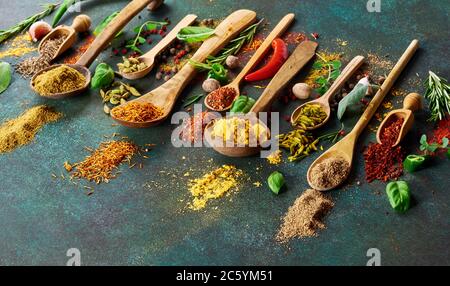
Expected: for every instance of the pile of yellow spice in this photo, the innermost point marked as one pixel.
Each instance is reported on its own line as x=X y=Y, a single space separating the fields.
x=58 y=80
x=213 y=185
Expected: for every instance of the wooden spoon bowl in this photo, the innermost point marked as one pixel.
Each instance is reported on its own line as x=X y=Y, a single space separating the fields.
x=166 y=95
x=324 y=100
x=100 y=42
x=81 y=23
x=412 y=103
x=149 y=57
x=304 y=52
x=83 y=70
x=279 y=29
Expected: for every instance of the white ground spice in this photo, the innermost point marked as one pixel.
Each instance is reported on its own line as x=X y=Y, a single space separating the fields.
x=304 y=217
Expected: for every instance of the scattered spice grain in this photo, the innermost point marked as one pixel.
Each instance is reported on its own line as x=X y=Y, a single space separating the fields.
x=99 y=165
x=304 y=217
x=21 y=130
x=213 y=185
x=137 y=112
x=30 y=66
x=19 y=46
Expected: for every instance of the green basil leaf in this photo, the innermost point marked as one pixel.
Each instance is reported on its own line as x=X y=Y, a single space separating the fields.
x=317 y=66
x=354 y=97
x=194 y=34
x=336 y=65
x=103 y=77
x=423 y=139
x=151 y=26
x=276 y=182
x=335 y=74
x=399 y=195
x=5 y=76
x=141 y=40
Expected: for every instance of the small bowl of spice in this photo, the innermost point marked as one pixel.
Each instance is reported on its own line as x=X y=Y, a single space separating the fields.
x=61 y=80
x=221 y=99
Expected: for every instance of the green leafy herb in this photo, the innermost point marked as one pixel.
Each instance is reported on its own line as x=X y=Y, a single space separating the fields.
x=425 y=146
x=276 y=182
x=5 y=76
x=147 y=26
x=438 y=96
x=192 y=99
x=399 y=195
x=103 y=77
x=235 y=45
x=242 y=104
x=104 y=23
x=25 y=24
x=333 y=68
x=194 y=34
x=354 y=97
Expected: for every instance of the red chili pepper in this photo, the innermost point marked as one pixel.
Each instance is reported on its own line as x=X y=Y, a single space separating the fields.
x=280 y=54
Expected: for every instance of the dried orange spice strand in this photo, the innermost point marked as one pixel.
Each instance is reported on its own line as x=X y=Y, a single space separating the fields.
x=137 y=112
x=99 y=165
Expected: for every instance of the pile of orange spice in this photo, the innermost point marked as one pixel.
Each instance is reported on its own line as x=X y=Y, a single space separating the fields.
x=73 y=58
x=137 y=112
x=99 y=165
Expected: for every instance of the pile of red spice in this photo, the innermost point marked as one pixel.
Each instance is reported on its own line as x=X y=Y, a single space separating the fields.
x=221 y=98
x=73 y=58
x=442 y=131
x=194 y=126
x=382 y=161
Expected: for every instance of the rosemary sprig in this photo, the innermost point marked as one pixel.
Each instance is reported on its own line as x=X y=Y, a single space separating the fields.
x=235 y=45
x=25 y=24
x=437 y=94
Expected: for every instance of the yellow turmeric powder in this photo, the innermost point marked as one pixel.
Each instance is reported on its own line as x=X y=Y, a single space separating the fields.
x=18 y=46
x=213 y=185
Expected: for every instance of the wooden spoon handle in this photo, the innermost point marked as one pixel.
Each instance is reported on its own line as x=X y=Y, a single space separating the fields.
x=279 y=29
x=186 y=21
x=127 y=13
x=81 y=23
x=345 y=75
x=298 y=59
x=387 y=85
x=224 y=32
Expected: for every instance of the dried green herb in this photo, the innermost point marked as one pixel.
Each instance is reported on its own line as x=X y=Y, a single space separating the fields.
x=195 y=34
x=333 y=68
x=5 y=76
x=354 y=97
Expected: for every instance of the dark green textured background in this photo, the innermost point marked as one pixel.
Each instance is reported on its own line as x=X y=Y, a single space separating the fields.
x=135 y=221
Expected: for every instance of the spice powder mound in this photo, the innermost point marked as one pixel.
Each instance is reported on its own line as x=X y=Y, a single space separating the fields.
x=382 y=161
x=330 y=173
x=21 y=130
x=305 y=216
x=221 y=98
x=137 y=112
x=58 y=80
x=213 y=185
x=99 y=165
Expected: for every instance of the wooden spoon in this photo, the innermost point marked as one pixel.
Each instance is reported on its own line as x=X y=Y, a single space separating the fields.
x=260 y=52
x=80 y=24
x=99 y=44
x=412 y=103
x=324 y=100
x=149 y=57
x=166 y=95
x=346 y=146
x=298 y=59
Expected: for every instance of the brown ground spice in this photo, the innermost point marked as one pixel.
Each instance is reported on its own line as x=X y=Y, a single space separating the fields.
x=58 y=80
x=304 y=217
x=21 y=130
x=330 y=172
